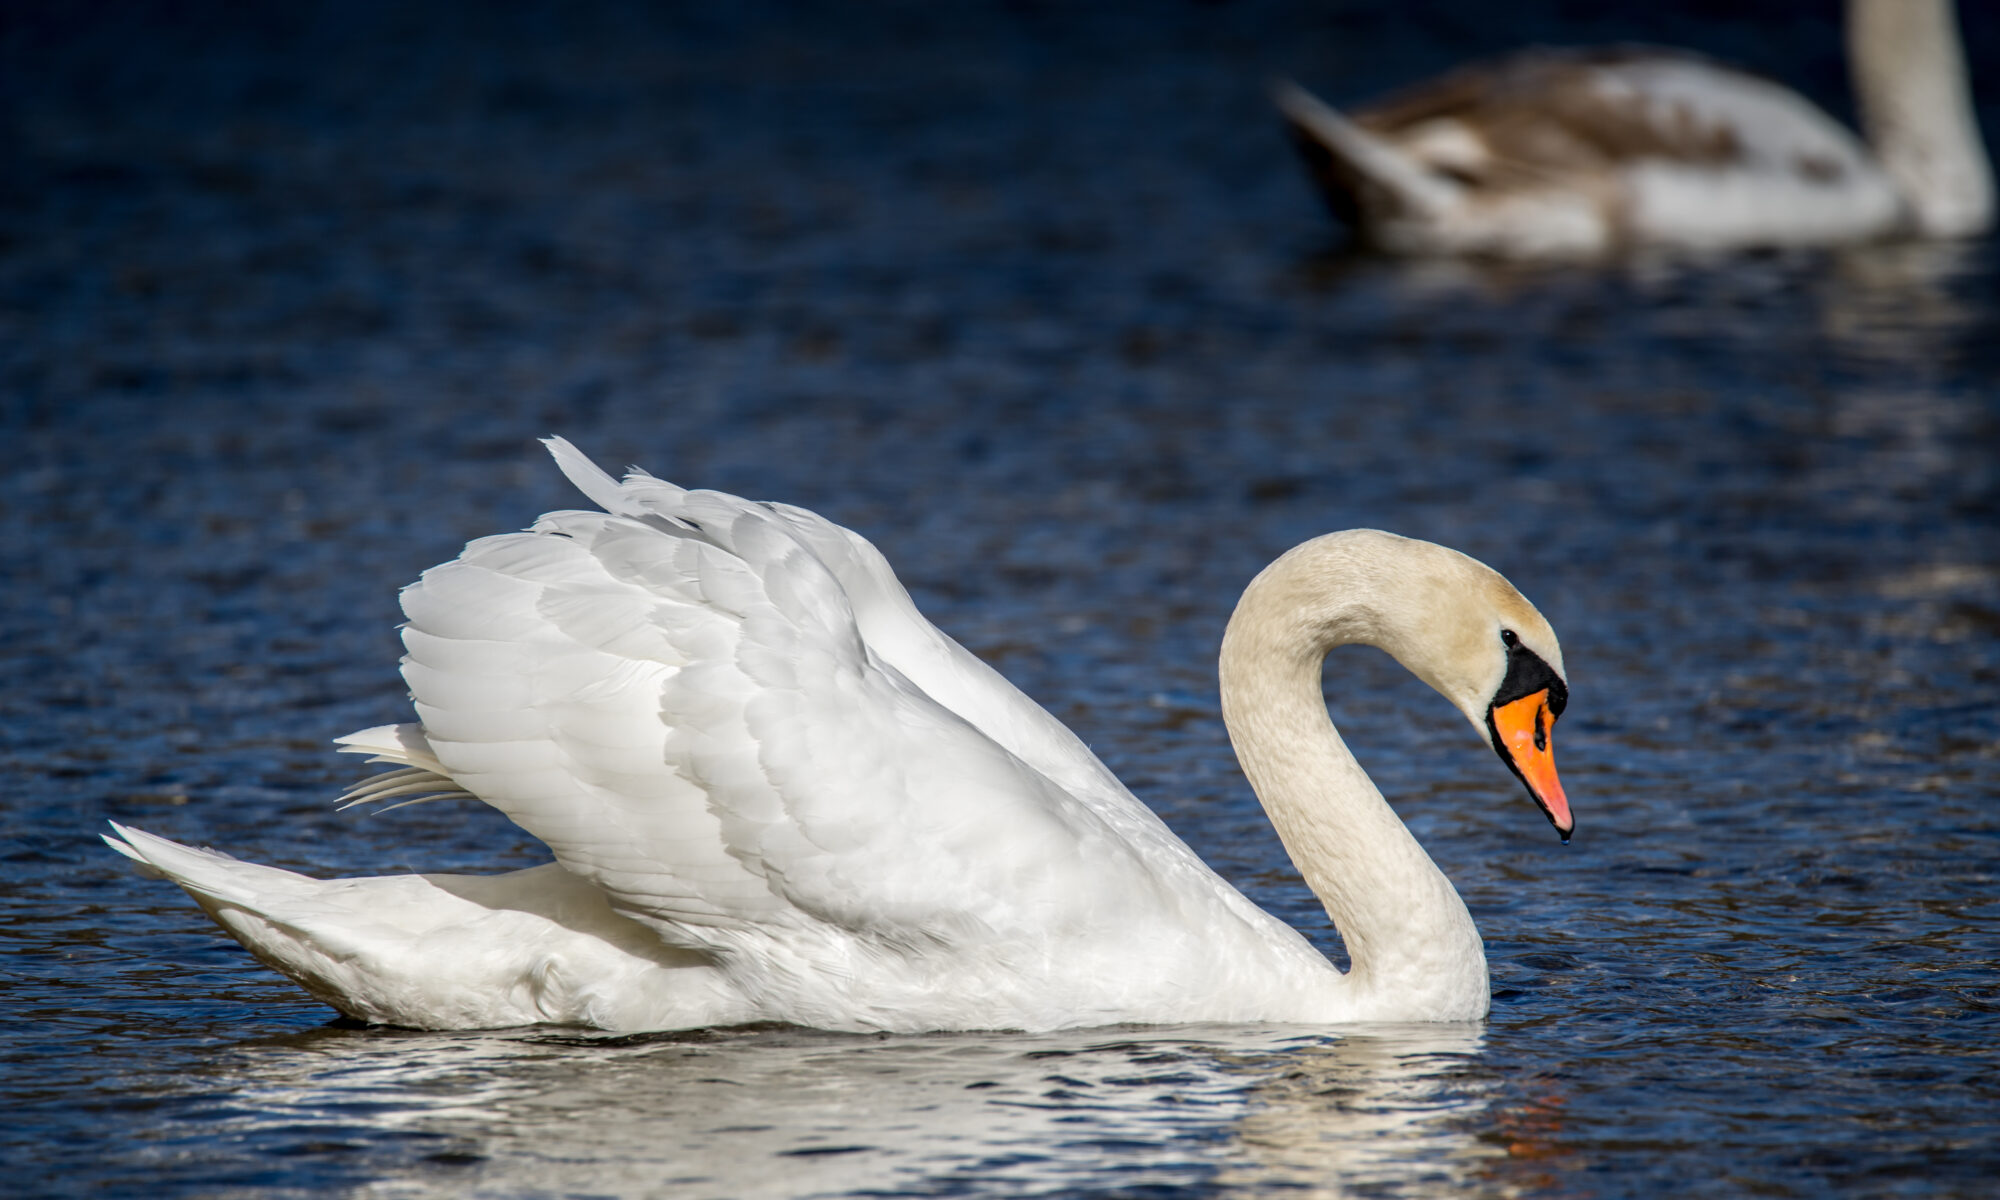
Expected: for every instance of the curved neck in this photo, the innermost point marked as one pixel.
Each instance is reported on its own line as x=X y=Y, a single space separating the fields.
x=1412 y=944
x=1916 y=109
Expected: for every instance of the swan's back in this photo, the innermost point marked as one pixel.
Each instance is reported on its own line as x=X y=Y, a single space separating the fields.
x=1583 y=151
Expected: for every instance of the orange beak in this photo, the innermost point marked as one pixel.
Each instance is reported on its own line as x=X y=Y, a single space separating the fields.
x=1521 y=735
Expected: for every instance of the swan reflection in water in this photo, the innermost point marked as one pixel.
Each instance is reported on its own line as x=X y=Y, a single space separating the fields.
x=790 y=1112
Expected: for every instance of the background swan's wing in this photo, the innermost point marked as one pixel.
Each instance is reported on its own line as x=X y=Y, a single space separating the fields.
x=678 y=698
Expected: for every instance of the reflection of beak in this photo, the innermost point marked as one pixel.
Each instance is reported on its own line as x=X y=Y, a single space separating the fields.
x=1521 y=734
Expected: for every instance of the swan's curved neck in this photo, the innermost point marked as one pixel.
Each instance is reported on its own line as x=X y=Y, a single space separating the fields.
x=1916 y=109
x=1414 y=949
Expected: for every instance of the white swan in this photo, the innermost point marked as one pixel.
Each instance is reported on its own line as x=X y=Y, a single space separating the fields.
x=775 y=792
x=1565 y=154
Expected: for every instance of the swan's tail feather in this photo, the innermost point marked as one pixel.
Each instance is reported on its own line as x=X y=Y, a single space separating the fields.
x=316 y=931
x=1361 y=175
x=207 y=874
x=321 y=934
x=146 y=869
x=447 y=951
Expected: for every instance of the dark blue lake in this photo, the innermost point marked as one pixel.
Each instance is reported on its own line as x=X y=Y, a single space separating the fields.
x=1036 y=297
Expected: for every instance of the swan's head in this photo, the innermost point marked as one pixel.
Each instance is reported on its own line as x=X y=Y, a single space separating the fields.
x=1470 y=634
x=1453 y=621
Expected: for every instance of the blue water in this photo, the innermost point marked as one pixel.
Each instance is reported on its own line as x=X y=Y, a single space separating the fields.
x=1037 y=299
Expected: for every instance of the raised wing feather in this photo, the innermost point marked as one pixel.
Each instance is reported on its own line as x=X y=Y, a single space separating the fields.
x=729 y=717
x=896 y=634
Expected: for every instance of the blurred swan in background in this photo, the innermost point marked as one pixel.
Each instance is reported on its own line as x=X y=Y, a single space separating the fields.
x=1575 y=153
x=775 y=792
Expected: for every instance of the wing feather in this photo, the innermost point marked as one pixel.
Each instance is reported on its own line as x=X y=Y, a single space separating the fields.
x=729 y=716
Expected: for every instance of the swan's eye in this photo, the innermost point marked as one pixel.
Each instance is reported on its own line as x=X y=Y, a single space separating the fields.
x=1510 y=638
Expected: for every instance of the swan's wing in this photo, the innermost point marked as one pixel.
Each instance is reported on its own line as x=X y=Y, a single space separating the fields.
x=1702 y=151
x=895 y=632
x=1571 y=109
x=679 y=701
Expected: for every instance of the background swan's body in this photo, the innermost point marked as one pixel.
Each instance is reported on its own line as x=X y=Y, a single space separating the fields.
x=774 y=792
x=1552 y=154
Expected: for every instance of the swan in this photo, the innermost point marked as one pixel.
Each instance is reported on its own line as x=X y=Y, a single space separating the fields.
x=774 y=792
x=1569 y=154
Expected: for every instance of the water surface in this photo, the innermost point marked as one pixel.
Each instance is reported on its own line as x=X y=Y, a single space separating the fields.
x=1037 y=300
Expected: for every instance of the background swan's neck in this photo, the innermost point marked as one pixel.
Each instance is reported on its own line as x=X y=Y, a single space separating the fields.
x=1414 y=949
x=1916 y=109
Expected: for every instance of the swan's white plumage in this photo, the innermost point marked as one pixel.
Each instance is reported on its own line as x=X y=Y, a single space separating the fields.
x=449 y=951
x=1564 y=154
x=774 y=791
